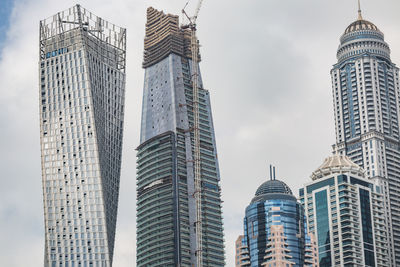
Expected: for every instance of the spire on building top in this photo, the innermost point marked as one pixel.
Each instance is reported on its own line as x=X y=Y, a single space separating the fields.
x=359 y=11
x=270 y=172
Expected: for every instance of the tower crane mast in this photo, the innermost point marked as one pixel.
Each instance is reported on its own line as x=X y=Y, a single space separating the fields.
x=194 y=45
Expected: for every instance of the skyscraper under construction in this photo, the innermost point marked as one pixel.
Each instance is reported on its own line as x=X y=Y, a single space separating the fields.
x=179 y=220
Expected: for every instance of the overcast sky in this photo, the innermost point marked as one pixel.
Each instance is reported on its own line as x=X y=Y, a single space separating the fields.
x=266 y=63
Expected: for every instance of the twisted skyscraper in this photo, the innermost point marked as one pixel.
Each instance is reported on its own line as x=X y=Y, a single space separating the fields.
x=167 y=211
x=82 y=88
x=366 y=97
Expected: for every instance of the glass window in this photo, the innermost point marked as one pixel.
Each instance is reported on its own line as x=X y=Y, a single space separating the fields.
x=322 y=218
x=318 y=185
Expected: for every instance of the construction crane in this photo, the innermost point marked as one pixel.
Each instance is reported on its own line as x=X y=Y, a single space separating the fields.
x=196 y=128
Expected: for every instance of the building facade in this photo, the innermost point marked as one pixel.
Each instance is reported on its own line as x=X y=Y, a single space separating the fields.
x=275 y=228
x=242 y=258
x=277 y=252
x=311 y=249
x=82 y=87
x=344 y=212
x=166 y=206
x=366 y=95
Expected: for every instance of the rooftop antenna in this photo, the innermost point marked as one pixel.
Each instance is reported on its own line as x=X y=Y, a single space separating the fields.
x=270 y=172
x=359 y=11
x=274 y=174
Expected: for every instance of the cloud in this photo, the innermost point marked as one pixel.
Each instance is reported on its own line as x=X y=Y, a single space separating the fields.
x=266 y=64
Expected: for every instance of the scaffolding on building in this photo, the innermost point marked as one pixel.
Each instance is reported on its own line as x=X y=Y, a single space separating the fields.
x=194 y=45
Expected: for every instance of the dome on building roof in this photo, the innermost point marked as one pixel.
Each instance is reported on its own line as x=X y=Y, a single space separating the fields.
x=273 y=189
x=273 y=186
x=337 y=164
x=361 y=24
x=362 y=38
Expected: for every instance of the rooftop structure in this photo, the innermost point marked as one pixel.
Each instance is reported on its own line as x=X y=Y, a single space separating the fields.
x=273 y=189
x=61 y=31
x=335 y=164
x=163 y=37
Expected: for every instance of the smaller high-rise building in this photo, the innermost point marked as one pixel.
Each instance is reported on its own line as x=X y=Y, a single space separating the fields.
x=275 y=230
x=242 y=258
x=344 y=211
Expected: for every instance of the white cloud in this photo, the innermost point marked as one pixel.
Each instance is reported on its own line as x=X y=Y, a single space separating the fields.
x=266 y=64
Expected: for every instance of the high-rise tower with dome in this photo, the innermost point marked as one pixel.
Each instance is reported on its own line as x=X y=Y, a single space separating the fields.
x=366 y=98
x=343 y=210
x=275 y=232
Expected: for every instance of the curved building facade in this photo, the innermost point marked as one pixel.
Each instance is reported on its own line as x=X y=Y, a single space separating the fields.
x=366 y=95
x=274 y=212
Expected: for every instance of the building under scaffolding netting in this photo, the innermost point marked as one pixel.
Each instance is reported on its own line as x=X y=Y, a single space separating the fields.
x=82 y=94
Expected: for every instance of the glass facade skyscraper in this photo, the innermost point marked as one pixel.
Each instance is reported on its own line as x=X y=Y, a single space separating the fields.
x=344 y=212
x=275 y=229
x=166 y=205
x=366 y=95
x=82 y=88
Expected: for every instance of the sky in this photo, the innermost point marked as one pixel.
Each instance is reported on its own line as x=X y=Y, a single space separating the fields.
x=266 y=64
x=5 y=9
